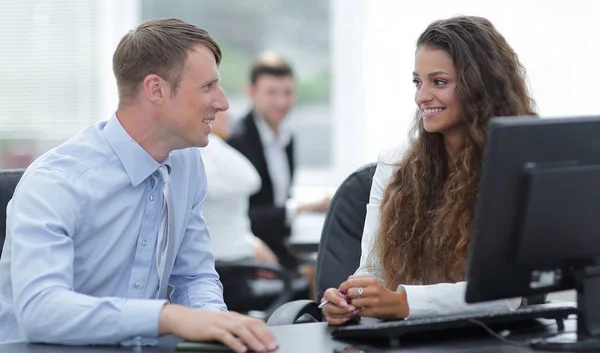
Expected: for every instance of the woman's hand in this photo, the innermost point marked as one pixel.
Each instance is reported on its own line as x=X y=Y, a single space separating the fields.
x=338 y=311
x=372 y=299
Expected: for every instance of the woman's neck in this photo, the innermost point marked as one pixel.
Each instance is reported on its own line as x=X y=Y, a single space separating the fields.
x=454 y=143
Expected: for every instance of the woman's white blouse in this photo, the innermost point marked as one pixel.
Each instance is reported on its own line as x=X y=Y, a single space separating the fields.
x=423 y=300
x=231 y=180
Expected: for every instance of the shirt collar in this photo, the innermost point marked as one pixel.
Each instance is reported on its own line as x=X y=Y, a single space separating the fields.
x=138 y=164
x=268 y=137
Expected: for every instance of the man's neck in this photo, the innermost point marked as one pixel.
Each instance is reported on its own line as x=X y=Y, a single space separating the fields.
x=144 y=129
x=273 y=126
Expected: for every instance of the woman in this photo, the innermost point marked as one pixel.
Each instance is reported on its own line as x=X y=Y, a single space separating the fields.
x=416 y=236
x=231 y=180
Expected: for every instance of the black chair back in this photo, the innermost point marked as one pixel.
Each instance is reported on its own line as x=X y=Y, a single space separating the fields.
x=339 y=249
x=9 y=179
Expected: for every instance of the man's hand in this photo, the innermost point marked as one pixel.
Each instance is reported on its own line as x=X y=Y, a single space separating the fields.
x=226 y=327
x=373 y=299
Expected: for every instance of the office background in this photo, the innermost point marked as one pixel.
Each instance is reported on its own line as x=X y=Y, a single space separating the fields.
x=354 y=60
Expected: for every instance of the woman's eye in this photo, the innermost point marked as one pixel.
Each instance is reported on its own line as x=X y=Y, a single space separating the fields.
x=417 y=83
x=439 y=82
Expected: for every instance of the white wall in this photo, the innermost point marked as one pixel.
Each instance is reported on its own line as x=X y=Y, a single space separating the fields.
x=557 y=41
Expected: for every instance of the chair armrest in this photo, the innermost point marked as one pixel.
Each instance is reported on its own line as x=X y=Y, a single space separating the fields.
x=296 y=312
x=249 y=267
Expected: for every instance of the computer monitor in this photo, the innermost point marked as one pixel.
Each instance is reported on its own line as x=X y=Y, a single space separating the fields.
x=537 y=218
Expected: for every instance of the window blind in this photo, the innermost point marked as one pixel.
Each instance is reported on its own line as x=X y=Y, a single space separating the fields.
x=49 y=72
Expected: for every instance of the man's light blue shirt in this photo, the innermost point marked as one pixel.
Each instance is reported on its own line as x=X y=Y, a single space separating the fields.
x=78 y=264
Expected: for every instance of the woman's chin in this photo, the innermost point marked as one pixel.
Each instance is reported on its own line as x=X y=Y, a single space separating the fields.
x=431 y=129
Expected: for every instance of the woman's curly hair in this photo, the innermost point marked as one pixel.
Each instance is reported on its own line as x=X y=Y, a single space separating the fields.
x=428 y=206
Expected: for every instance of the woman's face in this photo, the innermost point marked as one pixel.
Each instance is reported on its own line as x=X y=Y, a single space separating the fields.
x=436 y=97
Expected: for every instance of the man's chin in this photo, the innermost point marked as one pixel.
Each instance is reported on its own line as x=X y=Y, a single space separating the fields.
x=275 y=119
x=203 y=143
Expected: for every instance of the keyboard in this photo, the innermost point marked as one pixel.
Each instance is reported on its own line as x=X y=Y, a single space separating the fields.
x=404 y=328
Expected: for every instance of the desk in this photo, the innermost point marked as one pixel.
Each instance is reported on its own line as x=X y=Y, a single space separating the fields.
x=308 y=338
x=306 y=232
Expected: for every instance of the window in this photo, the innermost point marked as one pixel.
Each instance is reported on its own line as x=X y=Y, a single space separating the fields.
x=49 y=69
x=298 y=30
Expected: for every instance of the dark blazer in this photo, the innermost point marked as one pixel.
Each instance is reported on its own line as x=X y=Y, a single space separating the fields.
x=268 y=221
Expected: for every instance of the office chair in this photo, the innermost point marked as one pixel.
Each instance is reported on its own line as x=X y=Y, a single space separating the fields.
x=9 y=178
x=339 y=249
x=262 y=296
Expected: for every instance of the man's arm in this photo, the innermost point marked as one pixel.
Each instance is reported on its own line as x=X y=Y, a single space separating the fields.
x=194 y=277
x=42 y=219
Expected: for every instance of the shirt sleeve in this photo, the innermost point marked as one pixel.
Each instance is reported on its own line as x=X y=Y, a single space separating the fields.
x=369 y=264
x=423 y=300
x=42 y=219
x=194 y=278
x=449 y=299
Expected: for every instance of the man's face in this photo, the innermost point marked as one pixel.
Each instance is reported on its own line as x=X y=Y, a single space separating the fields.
x=272 y=97
x=188 y=113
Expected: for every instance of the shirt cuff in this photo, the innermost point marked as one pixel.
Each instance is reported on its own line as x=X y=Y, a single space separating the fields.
x=141 y=317
x=291 y=207
x=419 y=303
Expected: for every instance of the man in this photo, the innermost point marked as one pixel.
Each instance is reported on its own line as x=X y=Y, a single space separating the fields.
x=99 y=226
x=262 y=137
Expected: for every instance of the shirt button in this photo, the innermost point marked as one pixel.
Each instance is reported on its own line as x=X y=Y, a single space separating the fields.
x=137 y=285
x=144 y=243
x=151 y=197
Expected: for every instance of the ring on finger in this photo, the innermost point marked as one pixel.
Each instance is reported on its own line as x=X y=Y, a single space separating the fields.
x=361 y=291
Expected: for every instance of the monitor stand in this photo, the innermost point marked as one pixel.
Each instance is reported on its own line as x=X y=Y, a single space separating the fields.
x=587 y=338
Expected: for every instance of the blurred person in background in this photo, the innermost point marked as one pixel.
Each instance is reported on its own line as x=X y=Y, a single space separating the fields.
x=268 y=143
x=231 y=179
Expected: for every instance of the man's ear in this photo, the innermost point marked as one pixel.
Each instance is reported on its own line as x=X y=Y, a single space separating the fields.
x=153 y=88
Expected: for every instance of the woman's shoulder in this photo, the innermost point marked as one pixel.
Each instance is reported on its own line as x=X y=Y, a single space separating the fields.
x=389 y=157
x=387 y=163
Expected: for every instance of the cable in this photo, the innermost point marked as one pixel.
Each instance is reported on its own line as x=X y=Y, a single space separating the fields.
x=505 y=333
x=501 y=337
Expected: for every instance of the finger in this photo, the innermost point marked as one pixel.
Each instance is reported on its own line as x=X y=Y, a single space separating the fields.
x=347 y=315
x=334 y=309
x=241 y=330
x=335 y=297
x=354 y=293
x=264 y=334
x=230 y=341
x=361 y=303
